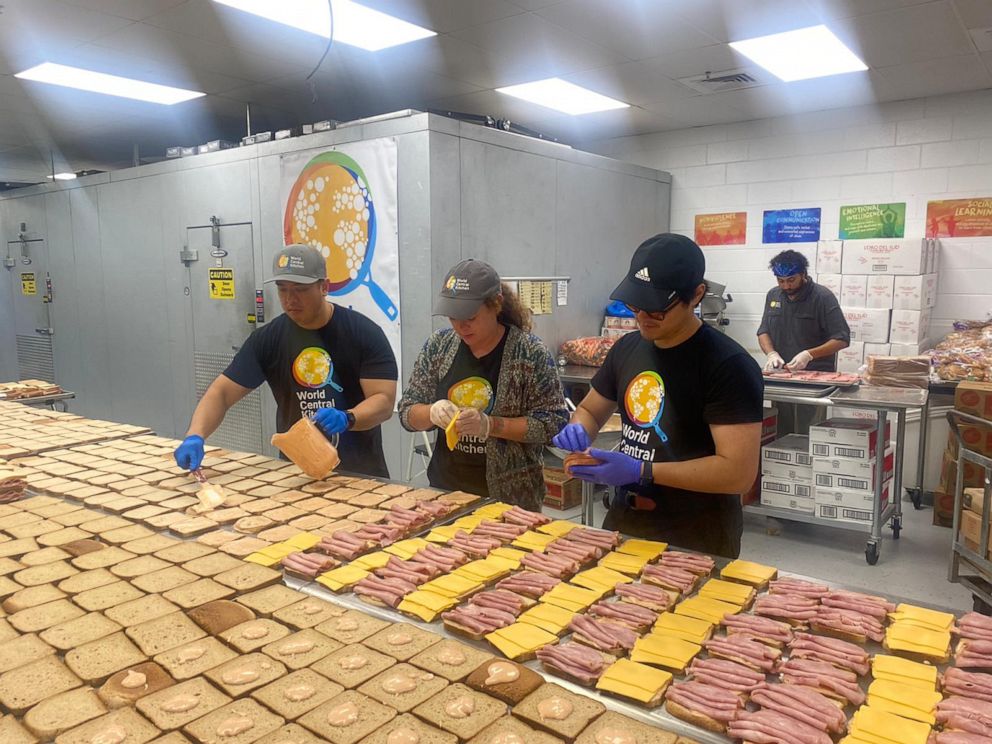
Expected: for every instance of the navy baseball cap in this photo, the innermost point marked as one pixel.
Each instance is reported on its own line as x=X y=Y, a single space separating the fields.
x=661 y=267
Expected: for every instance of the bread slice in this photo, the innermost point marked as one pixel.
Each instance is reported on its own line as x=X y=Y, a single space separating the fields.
x=86 y=580
x=584 y=710
x=125 y=534
x=298 y=693
x=38 y=618
x=107 y=596
x=143 y=564
x=141 y=610
x=222 y=724
x=242 y=674
x=194 y=658
x=175 y=706
x=403 y=687
x=301 y=649
x=353 y=665
x=28 y=685
x=128 y=720
x=640 y=732
x=844 y=635
x=48 y=573
x=406 y=726
x=510 y=693
x=164 y=580
x=97 y=660
x=270 y=599
x=64 y=711
x=220 y=615
x=513 y=729
x=697 y=719
x=150 y=544
x=62 y=536
x=12 y=732
x=164 y=633
x=451 y=659
x=43 y=556
x=352 y=627
x=86 y=545
x=104 y=558
x=32 y=597
x=128 y=685
x=402 y=641
x=211 y=564
x=486 y=711
x=308 y=613
x=248 y=577
x=291 y=733
x=80 y=630
x=370 y=715
x=181 y=552
x=197 y=593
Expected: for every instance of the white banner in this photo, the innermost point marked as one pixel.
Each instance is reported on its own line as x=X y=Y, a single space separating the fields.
x=342 y=201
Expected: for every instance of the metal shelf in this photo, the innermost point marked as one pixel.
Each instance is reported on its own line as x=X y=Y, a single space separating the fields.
x=791 y=515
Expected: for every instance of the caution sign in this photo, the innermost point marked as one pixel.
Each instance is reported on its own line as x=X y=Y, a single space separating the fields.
x=28 y=284
x=221 y=284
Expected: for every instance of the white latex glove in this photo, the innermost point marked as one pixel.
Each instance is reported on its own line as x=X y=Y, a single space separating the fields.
x=800 y=361
x=774 y=361
x=442 y=411
x=472 y=423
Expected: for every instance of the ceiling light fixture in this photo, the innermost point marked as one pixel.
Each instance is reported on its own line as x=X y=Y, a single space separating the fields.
x=111 y=85
x=354 y=24
x=561 y=95
x=801 y=54
x=63 y=176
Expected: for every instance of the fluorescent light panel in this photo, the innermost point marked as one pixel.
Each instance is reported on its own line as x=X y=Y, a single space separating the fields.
x=111 y=85
x=561 y=95
x=354 y=24
x=802 y=54
x=63 y=176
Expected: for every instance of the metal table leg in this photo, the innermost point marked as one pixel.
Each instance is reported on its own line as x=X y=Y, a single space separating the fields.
x=875 y=536
x=588 y=495
x=896 y=493
x=917 y=494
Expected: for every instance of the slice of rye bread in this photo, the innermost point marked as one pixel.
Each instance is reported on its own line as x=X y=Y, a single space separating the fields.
x=48 y=573
x=301 y=649
x=697 y=719
x=248 y=577
x=308 y=613
x=220 y=615
x=22 y=650
x=93 y=662
x=182 y=703
x=404 y=726
x=105 y=524
x=77 y=548
x=32 y=597
x=106 y=727
x=184 y=662
x=211 y=564
x=352 y=627
x=143 y=564
x=251 y=635
x=12 y=732
x=74 y=633
x=403 y=687
x=451 y=659
x=63 y=711
x=484 y=711
x=611 y=722
x=104 y=558
x=511 y=692
x=370 y=715
x=180 y=552
x=38 y=618
x=270 y=599
x=509 y=728
x=164 y=580
x=164 y=633
x=198 y=593
x=141 y=610
x=402 y=641
x=109 y=595
x=291 y=733
x=244 y=716
x=298 y=693
x=150 y=544
x=584 y=711
x=28 y=685
x=353 y=665
x=86 y=580
x=43 y=556
x=141 y=679
x=243 y=674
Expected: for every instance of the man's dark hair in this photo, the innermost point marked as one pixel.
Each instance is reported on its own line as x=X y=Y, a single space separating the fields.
x=791 y=258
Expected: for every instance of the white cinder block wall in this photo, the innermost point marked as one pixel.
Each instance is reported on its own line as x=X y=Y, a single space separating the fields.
x=907 y=151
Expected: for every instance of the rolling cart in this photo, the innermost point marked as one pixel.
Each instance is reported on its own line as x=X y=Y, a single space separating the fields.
x=965 y=557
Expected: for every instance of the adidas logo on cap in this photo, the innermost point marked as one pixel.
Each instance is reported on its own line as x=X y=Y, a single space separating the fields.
x=643 y=275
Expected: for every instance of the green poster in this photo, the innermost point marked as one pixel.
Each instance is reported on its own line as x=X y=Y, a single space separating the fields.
x=867 y=221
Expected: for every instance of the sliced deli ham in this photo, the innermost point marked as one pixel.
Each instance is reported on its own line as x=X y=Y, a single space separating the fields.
x=772 y=727
x=582 y=663
x=726 y=674
x=806 y=706
x=834 y=651
x=968 y=684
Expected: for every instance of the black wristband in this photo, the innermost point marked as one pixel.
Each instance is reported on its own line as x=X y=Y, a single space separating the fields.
x=647 y=473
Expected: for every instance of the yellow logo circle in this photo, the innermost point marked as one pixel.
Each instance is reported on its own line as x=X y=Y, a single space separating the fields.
x=450 y=284
x=283 y=262
x=472 y=392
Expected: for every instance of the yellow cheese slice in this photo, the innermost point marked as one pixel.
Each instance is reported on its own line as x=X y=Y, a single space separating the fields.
x=518 y=639
x=492 y=511
x=548 y=617
x=600 y=579
x=303 y=541
x=510 y=556
x=650 y=548
x=263 y=560
x=425 y=604
x=482 y=571
x=632 y=680
x=667 y=651
x=406 y=549
x=339 y=578
x=727 y=591
x=572 y=598
x=682 y=626
x=278 y=551
x=533 y=541
x=882 y=727
x=922 y=617
x=441 y=534
x=704 y=608
x=558 y=527
x=852 y=739
x=904 y=700
x=748 y=572
x=467 y=523
x=450 y=433
x=904 y=637
x=453 y=586
x=372 y=561
x=625 y=562
x=904 y=671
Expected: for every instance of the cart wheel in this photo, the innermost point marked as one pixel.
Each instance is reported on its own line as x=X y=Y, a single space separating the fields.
x=896 y=528
x=916 y=494
x=871 y=553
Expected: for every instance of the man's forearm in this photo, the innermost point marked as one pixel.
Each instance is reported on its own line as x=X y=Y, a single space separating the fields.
x=765 y=342
x=372 y=411
x=711 y=474
x=588 y=421
x=828 y=348
x=209 y=414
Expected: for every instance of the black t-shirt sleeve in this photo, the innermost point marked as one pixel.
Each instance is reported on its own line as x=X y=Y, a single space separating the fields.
x=248 y=366
x=378 y=360
x=734 y=392
x=604 y=381
x=832 y=319
x=763 y=326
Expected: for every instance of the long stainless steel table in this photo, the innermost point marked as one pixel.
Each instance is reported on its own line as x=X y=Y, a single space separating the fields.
x=46 y=400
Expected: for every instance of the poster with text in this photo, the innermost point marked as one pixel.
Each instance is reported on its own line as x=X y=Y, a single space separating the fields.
x=724 y=228
x=343 y=203
x=869 y=221
x=791 y=225
x=960 y=218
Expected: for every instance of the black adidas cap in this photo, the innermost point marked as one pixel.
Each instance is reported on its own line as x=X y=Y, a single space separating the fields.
x=660 y=268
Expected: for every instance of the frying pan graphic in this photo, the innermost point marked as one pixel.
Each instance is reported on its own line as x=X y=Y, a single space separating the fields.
x=330 y=207
x=645 y=402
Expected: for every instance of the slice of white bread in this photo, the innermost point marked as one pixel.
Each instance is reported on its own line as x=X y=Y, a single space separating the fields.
x=22 y=650
x=74 y=633
x=97 y=660
x=64 y=711
x=136 y=728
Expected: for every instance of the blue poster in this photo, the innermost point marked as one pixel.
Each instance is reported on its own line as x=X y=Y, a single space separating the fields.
x=791 y=226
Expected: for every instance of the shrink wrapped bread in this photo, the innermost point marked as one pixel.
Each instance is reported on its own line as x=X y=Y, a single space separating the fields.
x=308 y=449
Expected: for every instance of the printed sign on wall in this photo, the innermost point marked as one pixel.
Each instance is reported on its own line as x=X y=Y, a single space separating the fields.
x=725 y=228
x=29 y=286
x=959 y=218
x=791 y=226
x=869 y=221
x=221 y=284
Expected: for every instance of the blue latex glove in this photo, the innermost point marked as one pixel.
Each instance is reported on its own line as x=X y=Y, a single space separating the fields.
x=331 y=421
x=572 y=438
x=617 y=469
x=189 y=454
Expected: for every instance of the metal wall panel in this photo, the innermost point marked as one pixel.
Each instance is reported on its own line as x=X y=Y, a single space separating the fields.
x=34 y=358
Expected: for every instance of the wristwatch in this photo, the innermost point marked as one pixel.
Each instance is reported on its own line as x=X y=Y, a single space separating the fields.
x=647 y=474
x=351 y=420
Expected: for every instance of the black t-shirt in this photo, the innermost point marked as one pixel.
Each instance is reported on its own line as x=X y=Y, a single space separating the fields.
x=311 y=369
x=668 y=398
x=469 y=383
x=812 y=318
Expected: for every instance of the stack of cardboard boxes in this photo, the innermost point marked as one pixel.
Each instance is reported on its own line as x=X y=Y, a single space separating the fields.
x=769 y=430
x=974 y=398
x=887 y=290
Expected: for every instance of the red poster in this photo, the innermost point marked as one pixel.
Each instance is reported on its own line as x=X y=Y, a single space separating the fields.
x=959 y=218
x=726 y=228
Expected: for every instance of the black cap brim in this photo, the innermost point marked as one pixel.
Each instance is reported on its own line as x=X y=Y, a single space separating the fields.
x=643 y=295
x=459 y=308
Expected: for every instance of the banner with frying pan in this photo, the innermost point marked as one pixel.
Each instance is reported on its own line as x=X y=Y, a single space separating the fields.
x=343 y=202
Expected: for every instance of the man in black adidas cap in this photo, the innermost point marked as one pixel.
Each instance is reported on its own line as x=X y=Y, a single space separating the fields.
x=690 y=401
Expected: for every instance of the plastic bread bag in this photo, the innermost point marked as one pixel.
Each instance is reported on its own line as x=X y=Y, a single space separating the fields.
x=308 y=449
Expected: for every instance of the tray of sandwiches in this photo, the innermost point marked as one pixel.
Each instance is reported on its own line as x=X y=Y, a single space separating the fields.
x=28 y=389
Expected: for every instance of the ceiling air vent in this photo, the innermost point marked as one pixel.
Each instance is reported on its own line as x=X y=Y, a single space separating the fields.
x=719 y=82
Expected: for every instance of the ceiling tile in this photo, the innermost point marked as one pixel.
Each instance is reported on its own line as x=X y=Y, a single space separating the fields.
x=733 y=20
x=633 y=82
x=714 y=58
x=936 y=76
x=975 y=13
x=134 y=10
x=699 y=111
x=444 y=55
x=831 y=9
x=837 y=91
x=51 y=19
x=445 y=16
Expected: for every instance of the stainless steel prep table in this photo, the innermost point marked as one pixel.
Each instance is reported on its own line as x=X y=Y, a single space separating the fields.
x=46 y=400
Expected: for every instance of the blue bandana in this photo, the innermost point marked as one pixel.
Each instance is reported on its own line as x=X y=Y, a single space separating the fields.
x=786 y=269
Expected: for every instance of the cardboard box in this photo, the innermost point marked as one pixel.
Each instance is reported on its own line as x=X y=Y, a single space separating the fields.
x=753 y=494
x=854 y=290
x=792 y=449
x=851 y=358
x=769 y=425
x=851 y=498
x=972 y=545
x=831 y=282
x=869 y=324
x=970 y=527
x=943 y=508
x=909 y=326
x=783 y=501
x=850 y=469
x=877 y=350
x=974 y=398
x=563 y=492
x=908 y=350
x=977 y=438
x=627 y=324
x=974 y=476
x=613 y=332
x=935 y=258
x=851 y=432
x=973 y=499
x=787 y=487
x=880 y=291
x=829 y=256
x=914 y=292
x=838 y=512
x=787 y=471
x=885 y=257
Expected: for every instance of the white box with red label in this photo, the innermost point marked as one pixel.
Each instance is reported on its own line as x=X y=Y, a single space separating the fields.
x=854 y=475
x=853 y=290
x=885 y=257
x=841 y=502
x=868 y=324
x=910 y=326
x=829 y=256
x=879 y=291
x=842 y=437
x=831 y=282
x=914 y=292
x=784 y=501
x=791 y=450
x=851 y=358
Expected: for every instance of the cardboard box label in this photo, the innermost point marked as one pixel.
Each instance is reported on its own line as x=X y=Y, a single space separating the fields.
x=784 y=501
x=828 y=257
x=885 y=257
x=974 y=398
x=854 y=290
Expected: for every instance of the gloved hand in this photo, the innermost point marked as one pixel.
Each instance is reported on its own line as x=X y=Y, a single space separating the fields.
x=330 y=421
x=189 y=454
x=573 y=437
x=774 y=361
x=800 y=361
x=442 y=411
x=617 y=469
x=472 y=423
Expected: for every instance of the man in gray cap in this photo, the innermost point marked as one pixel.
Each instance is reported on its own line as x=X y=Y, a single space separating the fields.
x=321 y=360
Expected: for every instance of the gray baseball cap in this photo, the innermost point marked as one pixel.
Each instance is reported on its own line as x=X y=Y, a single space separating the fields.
x=298 y=263
x=466 y=286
